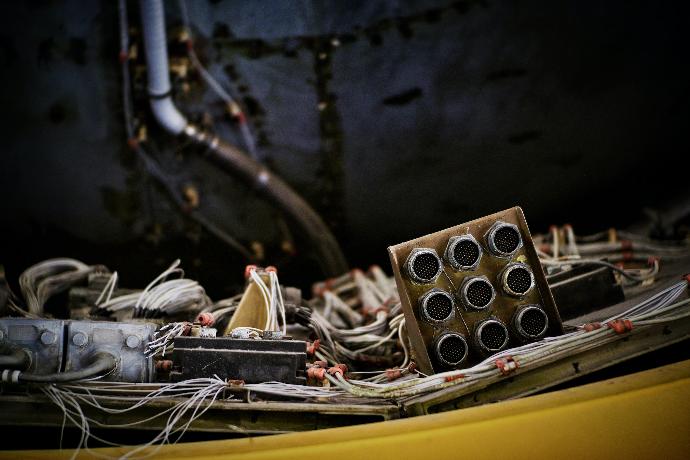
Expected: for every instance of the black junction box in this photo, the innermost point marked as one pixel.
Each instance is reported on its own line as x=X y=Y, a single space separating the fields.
x=584 y=289
x=253 y=361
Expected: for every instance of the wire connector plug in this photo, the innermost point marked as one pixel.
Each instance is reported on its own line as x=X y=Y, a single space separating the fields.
x=338 y=369
x=589 y=327
x=620 y=326
x=452 y=378
x=507 y=365
x=313 y=347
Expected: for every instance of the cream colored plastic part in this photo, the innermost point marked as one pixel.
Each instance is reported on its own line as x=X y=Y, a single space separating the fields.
x=252 y=310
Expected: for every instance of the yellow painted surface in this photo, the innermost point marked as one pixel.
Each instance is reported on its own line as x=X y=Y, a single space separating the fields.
x=644 y=415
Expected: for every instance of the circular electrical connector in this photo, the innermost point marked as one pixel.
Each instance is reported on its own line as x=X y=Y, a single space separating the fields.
x=423 y=265
x=436 y=306
x=476 y=292
x=451 y=349
x=530 y=322
x=503 y=239
x=463 y=252
x=516 y=279
x=491 y=335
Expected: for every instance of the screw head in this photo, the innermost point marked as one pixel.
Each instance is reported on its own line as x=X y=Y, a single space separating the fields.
x=48 y=338
x=133 y=341
x=80 y=339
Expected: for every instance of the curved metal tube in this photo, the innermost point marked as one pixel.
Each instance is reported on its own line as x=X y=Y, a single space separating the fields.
x=156 y=51
x=227 y=156
x=233 y=160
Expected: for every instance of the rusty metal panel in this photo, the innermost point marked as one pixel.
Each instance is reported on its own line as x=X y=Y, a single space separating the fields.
x=453 y=277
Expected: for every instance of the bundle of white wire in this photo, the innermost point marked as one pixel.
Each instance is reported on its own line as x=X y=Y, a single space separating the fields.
x=163 y=297
x=633 y=275
x=223 y=307
x=567 y=250
x=273 y=300
x=196 y=395
x=163 y=338
x=190 y=399
x=44 y=279
x=564 y=243
x=341 y=343
x=659 y=308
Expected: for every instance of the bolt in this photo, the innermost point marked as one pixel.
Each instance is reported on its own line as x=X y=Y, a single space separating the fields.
x=191 y=196
x=47 y=338
x=80 y=339
x=133 y=341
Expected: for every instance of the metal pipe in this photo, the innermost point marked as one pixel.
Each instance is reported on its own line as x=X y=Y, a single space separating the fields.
x=229 y=157
x=272 y=187
x=156 y=51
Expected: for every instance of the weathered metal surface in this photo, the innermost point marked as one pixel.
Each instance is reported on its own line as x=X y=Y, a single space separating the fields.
x=57 y=345
x=231 y=416
x=41 y=338
x=125 y=341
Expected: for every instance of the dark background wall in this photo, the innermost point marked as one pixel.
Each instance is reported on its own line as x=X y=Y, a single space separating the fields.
x=394 y=119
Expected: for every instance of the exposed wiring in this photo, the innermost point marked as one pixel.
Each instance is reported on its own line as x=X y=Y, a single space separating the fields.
x=604 y=244
x=188 y=399
x=660 y=308
x=273 y=300
x=44 y=279
x=651 y=274
x=620 y=251
x=198 y=396
x=162 y=296
x=108 y=289
x=369 y=302
x=357 y=319
x=163 y=338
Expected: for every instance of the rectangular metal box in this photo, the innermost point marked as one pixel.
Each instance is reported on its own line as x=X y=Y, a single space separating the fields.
x=64 y=346
x=42 y=339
